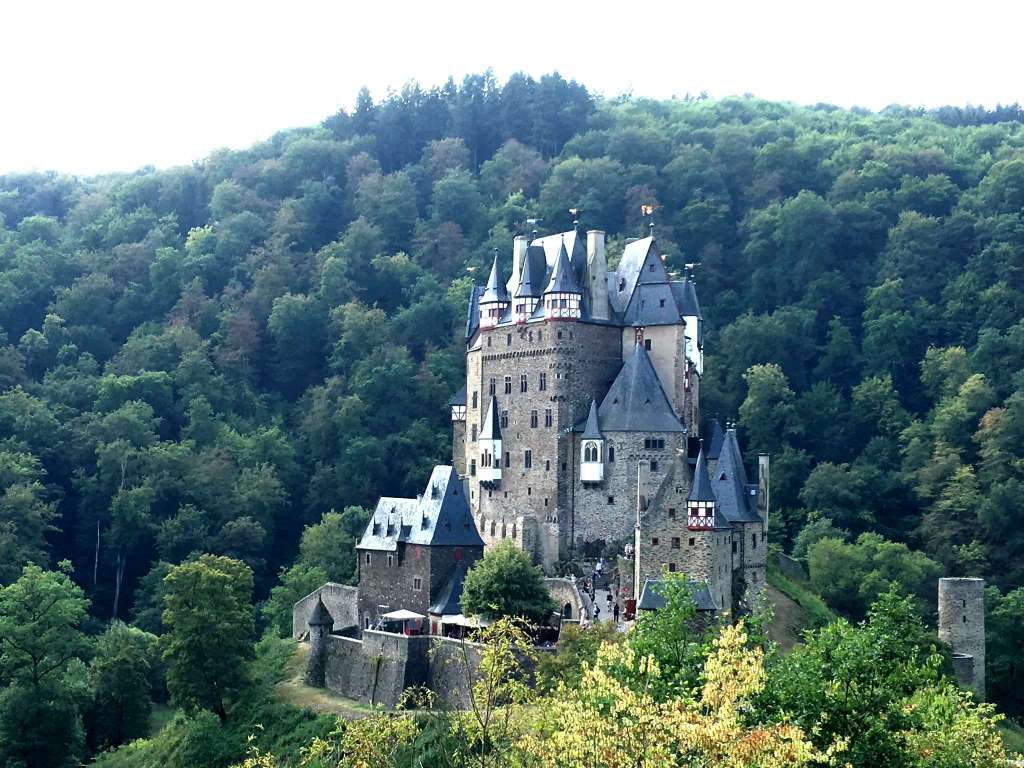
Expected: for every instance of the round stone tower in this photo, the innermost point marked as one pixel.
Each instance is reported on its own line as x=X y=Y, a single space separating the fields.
x=320 y=625
x=962 y=627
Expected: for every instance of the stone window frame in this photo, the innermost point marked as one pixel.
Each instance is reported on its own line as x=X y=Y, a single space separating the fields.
x=654 y=465
x=492 y=386
x=671 y=567
x=474 y=399
x=508 y=385
x=367 y=558
x=472 y=467
x=611 y=500
x=542 y=381
x=391 y=561
x=417 y=584
x=523 y=385
x=549 y=418
x=676 y=542
x=472 y=432
x=647 y=345
x=504 y=420
x=534 y=419
x=654 y=541
x=527 y=459
x=508 y=460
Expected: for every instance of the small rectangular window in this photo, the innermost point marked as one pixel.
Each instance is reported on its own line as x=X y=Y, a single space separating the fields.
x=547 y=465
x=522 y=382
x=508 y=340
x=654 y=466
x=533 y=419
x=367 y=558
x=734 y=547
x=548 y=418
x=647 y=344
x=528 y=458
x=417 y=584
x=508 y=385
x=490 y=386
x=508 y=462
x=753 y=541
x=661 y=302
x=504 y=419
x=611 y=499
x=692 y=541
x=654 y=541
x=472 y=432
x=671 y=567
x=391 y=560
x=542 y=383
x=675 y=542
x=472 y=467
x=671 y=513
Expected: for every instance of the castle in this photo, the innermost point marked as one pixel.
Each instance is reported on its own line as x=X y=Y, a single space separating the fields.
x=578 y=431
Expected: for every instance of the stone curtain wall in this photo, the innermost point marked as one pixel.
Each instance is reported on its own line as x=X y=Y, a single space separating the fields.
x=598 y=522
x=341 y=601
x=378 y=668
x=565 y=592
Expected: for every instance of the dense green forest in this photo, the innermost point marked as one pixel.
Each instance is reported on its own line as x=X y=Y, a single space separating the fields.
x=208 y=359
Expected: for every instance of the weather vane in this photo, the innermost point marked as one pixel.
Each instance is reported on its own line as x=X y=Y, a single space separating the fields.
x=648 y=210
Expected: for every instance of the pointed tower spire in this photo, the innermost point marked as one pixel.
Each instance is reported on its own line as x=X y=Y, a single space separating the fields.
x=563 y=295
x=489 y=443
x=494 y=300
x=592 y=431
x=592 y=449
x=702 y=503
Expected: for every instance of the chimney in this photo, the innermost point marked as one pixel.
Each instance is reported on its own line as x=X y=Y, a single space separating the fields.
x=763 y=487
x=597 y=275
x=519 y=246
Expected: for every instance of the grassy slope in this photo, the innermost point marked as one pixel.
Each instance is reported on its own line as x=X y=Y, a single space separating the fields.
x=796 y=608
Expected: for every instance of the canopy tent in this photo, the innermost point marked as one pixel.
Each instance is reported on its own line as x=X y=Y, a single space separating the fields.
x=462 y=621
x=402 y=615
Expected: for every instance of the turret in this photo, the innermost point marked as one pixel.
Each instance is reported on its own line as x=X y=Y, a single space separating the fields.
x=592 y=449
x=562 y=296
x=489 y=442
x=320 y=625
x=694 y=325
x=701 y=503
x=527 y=293
x=495 y=299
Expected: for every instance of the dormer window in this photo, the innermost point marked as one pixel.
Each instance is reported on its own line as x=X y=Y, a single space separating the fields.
x=622 y=285
x=426 y=522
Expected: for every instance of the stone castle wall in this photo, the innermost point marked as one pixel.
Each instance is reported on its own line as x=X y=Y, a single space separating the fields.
x=341 y=600
x=606 y=512
x=579 y=362
x=962 y=627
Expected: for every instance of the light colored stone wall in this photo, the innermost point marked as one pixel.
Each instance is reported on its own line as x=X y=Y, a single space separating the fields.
x=340 y=599
x=598 y=522
x=962 y=625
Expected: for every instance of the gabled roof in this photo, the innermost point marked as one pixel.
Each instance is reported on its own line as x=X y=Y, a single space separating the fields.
x=440 y=517
x=531 y=283
x=491 y=429
x=636 y=401
x=652 y=304
x=651 y=598
x=592 y=431
x=320 y=617
x=447 y=602
x=563 y=280
x=730 y=484
x=459 y=398
x=701 y=489
x=628 y=272
x=495 y=290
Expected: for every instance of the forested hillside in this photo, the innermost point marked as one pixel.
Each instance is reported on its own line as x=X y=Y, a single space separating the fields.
x=210 y=358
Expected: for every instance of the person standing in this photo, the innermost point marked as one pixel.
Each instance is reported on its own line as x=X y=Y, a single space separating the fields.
x=615 y=613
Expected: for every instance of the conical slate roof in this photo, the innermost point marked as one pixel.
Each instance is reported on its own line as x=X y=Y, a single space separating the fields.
x=636 y=402
x=563 y=280
x=701 y=489
x=495 y=290
x=491 y=429
x=735 y=499
x=529 y=286
x=592 y=431
x=320 y=617
x=717 y=438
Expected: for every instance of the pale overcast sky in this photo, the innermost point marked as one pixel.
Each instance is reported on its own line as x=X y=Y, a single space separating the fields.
x=96 y=85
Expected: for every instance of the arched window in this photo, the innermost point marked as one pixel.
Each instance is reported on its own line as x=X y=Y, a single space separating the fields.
x=611 y=453
x=567 y=611
x=590 y=452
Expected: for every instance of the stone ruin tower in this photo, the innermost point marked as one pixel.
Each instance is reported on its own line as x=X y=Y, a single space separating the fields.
x=962 y=627
x=320 y=625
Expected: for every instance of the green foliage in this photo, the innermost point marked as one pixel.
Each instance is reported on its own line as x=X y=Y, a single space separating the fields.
x=852 y=576
x=852 y=682
x=122 y=672
x=576 y=647
x=209 y=621
x=505 y=583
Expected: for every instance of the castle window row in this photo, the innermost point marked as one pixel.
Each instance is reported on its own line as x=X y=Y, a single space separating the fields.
x=654 y=444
